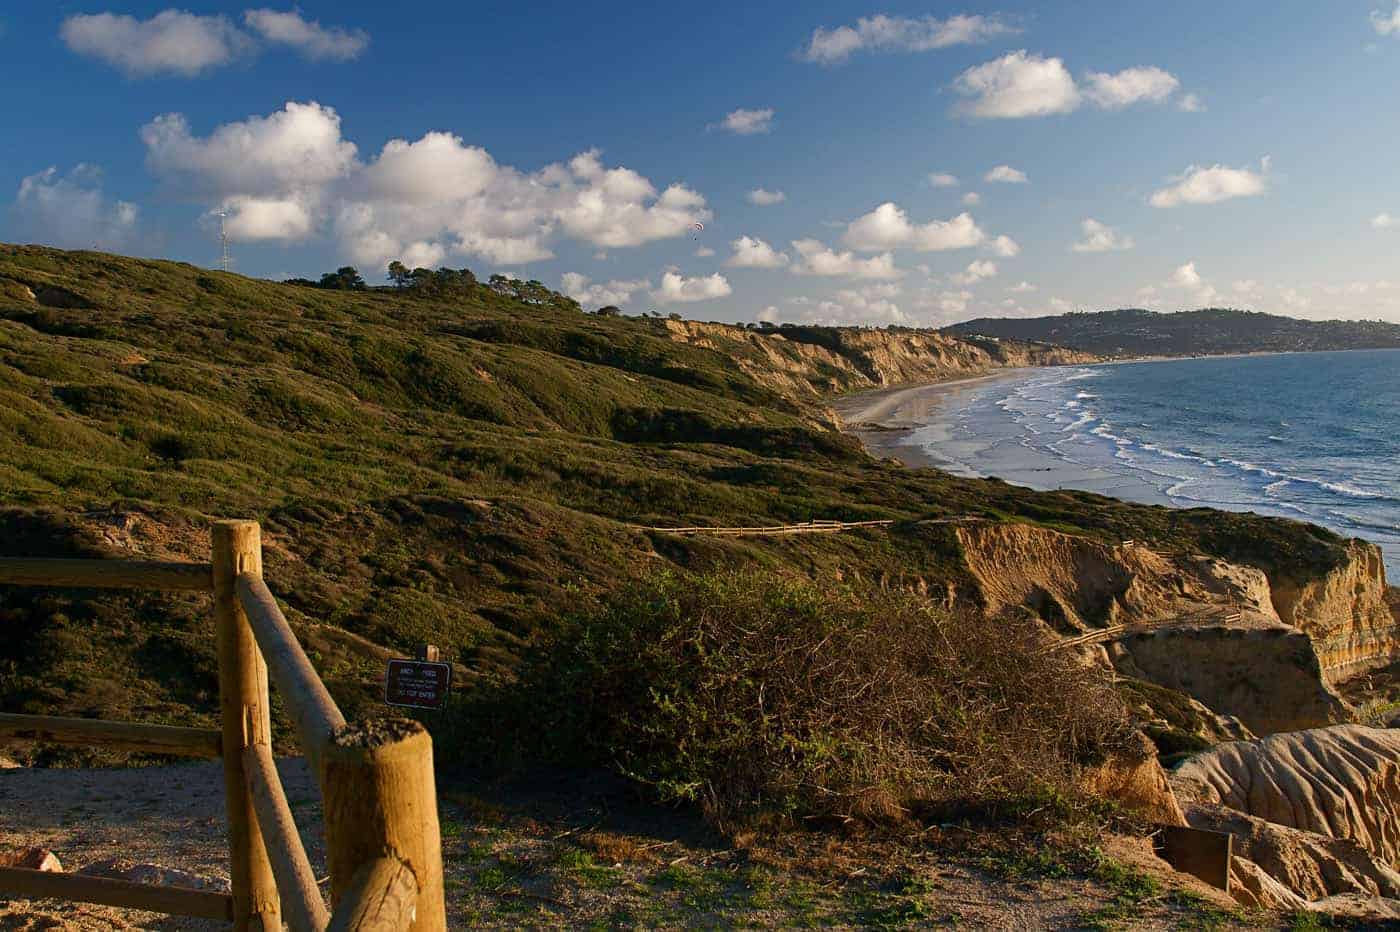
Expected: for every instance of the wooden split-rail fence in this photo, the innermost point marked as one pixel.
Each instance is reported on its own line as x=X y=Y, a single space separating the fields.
x=1114 y=632
x=817 y=526
x=383 y=847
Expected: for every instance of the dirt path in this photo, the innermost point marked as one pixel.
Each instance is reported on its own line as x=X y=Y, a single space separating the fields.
x=168 y=816
x=584 y=853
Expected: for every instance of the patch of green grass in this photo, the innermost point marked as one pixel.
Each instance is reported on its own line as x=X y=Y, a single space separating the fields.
x=583 y=866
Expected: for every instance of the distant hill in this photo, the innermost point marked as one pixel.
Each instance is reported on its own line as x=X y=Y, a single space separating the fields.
x=1136 y=332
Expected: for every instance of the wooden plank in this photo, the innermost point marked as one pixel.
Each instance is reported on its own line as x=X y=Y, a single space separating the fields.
x=316 y=715
x=106 y=574
x=245 y=707
x=1203 y=854
x=107 y=891
x=124 y=736
x=302 y=907
x=380 y=898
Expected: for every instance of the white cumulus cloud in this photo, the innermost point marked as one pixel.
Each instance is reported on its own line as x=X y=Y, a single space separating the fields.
x=71 y=211
x=1190 y=103
x=1384 y=221
x=677 y=288
x=975 y=272
x=297 y=147
x=598 y=294
x=765 y=198
x=187 y=44
x=1129 y=86
x=1019 y=84
x=1005 y=174
x=1004 y=246
x=815 y=258
x=269 y=218
x=746 y=122
x=309 y=37
x=292 y=172
x=971 y=199
x=172 y=41
x=882 y=33
x=753 y=253
x=1024 y=84
x=1200 y=185
x=1021 y=288
x=1100 y=237
x=942 y=180
x=1386 y=24
x=888 y=227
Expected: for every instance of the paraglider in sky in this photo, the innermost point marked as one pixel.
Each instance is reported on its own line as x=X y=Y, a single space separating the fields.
x=696 y=229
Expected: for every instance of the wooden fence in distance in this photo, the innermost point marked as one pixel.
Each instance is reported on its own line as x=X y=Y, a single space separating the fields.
x=382 y=840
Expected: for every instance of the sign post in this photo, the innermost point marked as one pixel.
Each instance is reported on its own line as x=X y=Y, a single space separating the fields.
x=422 y=683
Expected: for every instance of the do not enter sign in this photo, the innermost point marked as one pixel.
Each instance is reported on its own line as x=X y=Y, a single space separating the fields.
x=418 y=684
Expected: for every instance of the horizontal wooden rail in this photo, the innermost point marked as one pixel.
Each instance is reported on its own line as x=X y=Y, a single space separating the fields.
x=106 y=574
x=107 y=891
x=810 y=527
x=123 y=736
x=316 y=715
x=302 y=906
x=381 y=897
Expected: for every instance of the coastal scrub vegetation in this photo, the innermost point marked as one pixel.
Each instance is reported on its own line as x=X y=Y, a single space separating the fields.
x=763 y=696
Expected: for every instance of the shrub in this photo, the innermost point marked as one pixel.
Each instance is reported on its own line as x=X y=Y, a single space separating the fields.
x=753 y=695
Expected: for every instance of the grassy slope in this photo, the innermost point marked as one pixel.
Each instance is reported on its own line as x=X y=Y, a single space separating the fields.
x=434 y=469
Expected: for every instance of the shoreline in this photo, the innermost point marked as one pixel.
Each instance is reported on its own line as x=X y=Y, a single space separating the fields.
x=883 y=419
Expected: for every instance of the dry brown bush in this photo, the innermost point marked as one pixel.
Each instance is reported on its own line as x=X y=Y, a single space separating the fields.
x=757 y=696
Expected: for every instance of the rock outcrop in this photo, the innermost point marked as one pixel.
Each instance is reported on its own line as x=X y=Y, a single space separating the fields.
x=1264 y=652
x=1075 y=583
x=1315 y=814
x=808 y=363
x=1268 y=678
x=1345 y=612
x=1134 y=779
x=1342 y=782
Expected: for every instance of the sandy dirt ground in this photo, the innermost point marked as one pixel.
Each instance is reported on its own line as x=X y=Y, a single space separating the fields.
x=573 y=854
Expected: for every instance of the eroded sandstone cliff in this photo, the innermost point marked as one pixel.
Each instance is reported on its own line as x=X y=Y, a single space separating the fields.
x=1264 y=651
x=1345 y=612
x=810 y=363
x=1316 y=812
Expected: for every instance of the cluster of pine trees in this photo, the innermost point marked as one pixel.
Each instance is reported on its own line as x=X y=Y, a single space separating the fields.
x=443 y=282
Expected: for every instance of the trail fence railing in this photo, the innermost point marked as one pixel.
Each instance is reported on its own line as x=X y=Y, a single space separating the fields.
x=383 y=847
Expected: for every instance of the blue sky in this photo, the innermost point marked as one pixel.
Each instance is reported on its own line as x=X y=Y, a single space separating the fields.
x=1174 y=155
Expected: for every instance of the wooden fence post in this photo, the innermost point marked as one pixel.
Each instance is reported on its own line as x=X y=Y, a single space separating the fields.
x=243 y=704
x=380 y=801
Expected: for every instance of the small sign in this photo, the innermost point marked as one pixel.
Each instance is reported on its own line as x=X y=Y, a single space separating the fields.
x=418 y=684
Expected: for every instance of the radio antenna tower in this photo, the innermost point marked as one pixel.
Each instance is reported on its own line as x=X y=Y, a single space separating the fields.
x=223 y=241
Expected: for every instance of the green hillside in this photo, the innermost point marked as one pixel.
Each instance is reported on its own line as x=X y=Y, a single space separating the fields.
x=1133 y=332
x=449 y=468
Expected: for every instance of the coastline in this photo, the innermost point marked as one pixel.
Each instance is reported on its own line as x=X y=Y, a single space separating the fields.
x=961 y=427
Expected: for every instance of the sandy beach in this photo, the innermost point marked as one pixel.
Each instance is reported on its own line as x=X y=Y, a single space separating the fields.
x=885 y=419
x=916 y=426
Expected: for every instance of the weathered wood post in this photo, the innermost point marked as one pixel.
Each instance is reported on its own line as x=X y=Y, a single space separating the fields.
x=380 y=802
x=243 y=704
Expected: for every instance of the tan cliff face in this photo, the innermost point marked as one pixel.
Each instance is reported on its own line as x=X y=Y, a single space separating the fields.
x=805 y=364
x=1076 y=583
x=1206 y=627
x=1345 y=612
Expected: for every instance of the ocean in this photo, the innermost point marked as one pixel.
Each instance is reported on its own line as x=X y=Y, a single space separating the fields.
x=1312 y=436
